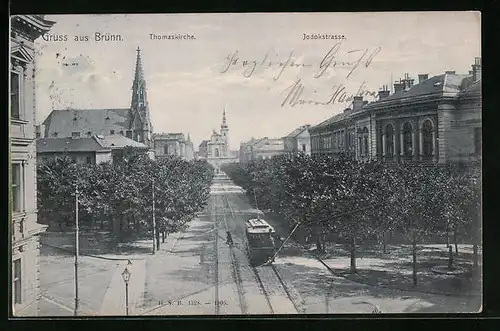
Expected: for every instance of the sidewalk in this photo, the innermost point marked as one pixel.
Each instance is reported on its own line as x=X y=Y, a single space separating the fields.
x=114 y=302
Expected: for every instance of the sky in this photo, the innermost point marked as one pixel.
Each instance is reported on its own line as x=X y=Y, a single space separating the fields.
x=255 y=66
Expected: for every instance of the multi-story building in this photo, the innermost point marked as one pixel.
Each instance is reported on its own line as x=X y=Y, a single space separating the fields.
x=437 y=120
x=173 y=144
x=95 y=149
x=259 y=149
x=299 y=140
x=24 y=230
x=133 y=122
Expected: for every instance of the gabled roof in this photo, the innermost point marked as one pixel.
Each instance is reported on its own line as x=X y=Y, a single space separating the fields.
x=117 y=141
x=297 y=131
x=51 y=145
x=97 y=119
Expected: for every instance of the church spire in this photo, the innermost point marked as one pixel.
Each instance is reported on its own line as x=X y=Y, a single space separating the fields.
x=224 y=122
x=139 y=95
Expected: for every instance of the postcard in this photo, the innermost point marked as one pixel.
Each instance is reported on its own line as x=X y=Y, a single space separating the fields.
x=244 y=164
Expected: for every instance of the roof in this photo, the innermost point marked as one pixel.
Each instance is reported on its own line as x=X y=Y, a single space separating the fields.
x=334 y=119
x=51 y=145
x=98 y=120
x=117 y=141
x=447 y=85
x=474 y=89
x=169 y=136
x=92 y=144
x=258 y=226
x=204 y=143
x=297 y=131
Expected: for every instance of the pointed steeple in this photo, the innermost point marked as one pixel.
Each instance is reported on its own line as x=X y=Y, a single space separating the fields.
x=139 y=106
x=188 y=138
x=224 y=122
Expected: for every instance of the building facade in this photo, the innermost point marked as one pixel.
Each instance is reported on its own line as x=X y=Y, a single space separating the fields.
x=92 y=150
x=24 y=229
x=173 y=144
x=299 y=140
x=261 y=149
x=133 y=123
x=437 y=120
x=216 y=150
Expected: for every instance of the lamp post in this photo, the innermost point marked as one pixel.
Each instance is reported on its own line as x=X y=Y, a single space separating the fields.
x=126 y=277
x=77 y=252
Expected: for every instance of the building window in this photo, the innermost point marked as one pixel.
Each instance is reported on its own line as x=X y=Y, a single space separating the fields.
x=217 y=152
x=38 y=135
x=407 y=140
x=427 y=143
x=121 y=132
x=303 y=147
x=365 y=140
x=16 y=187
x=89 y=134
x=88 y=160
x=75 y=134
x=129 y=134
x=389 y=140
x=15 y=109
x=111 y=131
x=17 y=281
x=477 y=141
x=54 y=134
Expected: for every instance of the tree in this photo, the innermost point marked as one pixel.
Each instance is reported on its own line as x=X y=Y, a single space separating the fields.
x=416 y=203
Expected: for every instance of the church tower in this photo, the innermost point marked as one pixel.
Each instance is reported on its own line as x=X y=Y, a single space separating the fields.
x=224 y=132
x=140 y=120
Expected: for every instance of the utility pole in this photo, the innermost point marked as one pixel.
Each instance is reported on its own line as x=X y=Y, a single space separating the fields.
x=154 y=220
x=77 y=252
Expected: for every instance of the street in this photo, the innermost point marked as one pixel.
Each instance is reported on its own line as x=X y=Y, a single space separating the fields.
x=196 y=272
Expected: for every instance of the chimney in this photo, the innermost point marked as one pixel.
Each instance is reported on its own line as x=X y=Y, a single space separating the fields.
x=384 y=93
x=422 y=77
x=476 y=69
x=357 y=103
x=407 y=82
x=399 y=86
x=450 y=72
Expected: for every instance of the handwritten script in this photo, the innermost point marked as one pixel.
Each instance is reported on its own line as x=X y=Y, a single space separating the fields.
x=335 y=63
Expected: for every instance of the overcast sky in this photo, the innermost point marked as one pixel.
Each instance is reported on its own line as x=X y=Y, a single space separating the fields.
x=187 y=89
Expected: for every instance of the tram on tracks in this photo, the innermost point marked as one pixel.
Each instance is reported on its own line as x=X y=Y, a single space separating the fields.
x=260 y=241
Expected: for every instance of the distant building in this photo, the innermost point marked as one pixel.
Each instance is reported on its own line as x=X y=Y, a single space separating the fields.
x=437 y=120
x=216 y=150
x=92 y=150
x=203 y=149
x=133 y=122
x=173 y=144
x=299 y=140
x=24 y=229
x=259 y=149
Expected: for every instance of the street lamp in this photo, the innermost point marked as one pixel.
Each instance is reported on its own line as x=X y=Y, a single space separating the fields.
x=126 y=278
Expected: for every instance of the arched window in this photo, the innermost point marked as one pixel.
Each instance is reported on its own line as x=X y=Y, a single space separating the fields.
x=407 y=140
x=365 y=140
x=427 y=143
x=217 y=153
x=389 y=140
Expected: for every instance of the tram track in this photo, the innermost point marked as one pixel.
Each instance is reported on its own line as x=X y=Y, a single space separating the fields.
x=268 y=279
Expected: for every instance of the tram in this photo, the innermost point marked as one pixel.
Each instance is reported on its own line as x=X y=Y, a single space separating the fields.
x=260 y=242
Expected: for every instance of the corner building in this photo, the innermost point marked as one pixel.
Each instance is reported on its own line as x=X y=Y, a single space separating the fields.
x=24 y=229
x=437 y=120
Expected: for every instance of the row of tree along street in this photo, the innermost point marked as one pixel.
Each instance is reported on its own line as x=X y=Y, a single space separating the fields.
x=119 y=195
x=359 y=201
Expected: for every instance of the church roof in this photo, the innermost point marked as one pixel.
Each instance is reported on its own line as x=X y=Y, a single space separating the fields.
x=96 y=119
